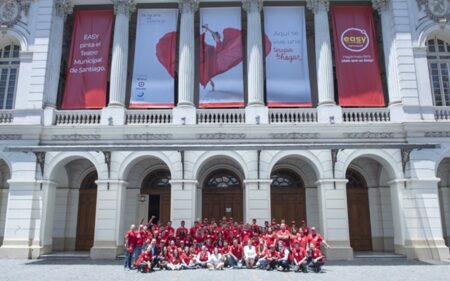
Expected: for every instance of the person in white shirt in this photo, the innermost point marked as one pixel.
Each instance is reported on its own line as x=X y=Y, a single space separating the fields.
x=203 y=257
x=216 y=260
x=249 y=254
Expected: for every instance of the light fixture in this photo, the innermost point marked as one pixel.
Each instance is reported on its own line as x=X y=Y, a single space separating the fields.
x=142 y=198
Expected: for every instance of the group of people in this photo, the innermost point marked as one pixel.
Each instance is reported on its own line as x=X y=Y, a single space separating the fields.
x=224 y=243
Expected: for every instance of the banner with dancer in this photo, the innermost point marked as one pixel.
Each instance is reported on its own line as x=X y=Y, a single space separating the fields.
x=357 y=66
x=153 y=84
x=287 y=73
x=87 y=71
x=221 y=67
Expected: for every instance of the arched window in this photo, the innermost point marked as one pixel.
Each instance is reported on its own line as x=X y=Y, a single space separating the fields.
x=355 y=179
x=285 y=178
x=157 y=179
x=438 y=54
x=222 y=179
x=9 y=68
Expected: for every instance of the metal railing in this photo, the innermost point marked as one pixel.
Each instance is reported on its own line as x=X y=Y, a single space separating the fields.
x=365 y=115
x=78 y=117
x=442 y=113
x=220 y=116
x=292 y=115
x=6 y=116
x=142 y=117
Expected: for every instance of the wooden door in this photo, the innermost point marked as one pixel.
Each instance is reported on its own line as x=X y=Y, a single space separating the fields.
x=222 y=195
x=287 y=197
x=358 y=212
x=87 y=205
x=157 y=184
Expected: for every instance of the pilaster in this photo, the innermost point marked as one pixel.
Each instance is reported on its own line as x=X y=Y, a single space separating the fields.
x=183 y=201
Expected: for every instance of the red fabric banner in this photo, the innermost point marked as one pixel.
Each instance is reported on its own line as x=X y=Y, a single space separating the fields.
x=357 y=67
x=88 y=63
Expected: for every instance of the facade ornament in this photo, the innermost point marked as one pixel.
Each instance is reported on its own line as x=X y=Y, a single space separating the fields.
x=252 y=5
x=380 y=5
x=63 y=7
x=188 y=6
x=11 y=11
x=317 y=5
x=436 y=10
x=124 y=7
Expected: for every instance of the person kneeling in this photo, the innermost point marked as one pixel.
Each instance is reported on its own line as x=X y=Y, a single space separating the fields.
x=299 y=258
x=144 y=261
x=215 y=260
x=316 y=259
x=203 y=258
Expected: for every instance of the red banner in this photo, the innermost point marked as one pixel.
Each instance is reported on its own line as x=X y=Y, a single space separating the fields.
x=357 y=67
x=89 y=60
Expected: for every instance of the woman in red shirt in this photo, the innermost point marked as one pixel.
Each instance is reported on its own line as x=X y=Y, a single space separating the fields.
x=143 y=263
x=175 y=262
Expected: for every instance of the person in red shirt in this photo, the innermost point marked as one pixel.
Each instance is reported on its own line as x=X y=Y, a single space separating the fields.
x=203 y=258
x=174 y=261
x=194 y=228
x=270 y=237
x=299 y=258
x=316 y=239
x=169 y=229
x=284 y=235
x=182 y=231
x=301 y=238
x=234 y=256
x=271 y=258
x=316 y=258
x=130 y=244
x=139 y=234
x=247 y=234
x=163 y=258
x=144 y=261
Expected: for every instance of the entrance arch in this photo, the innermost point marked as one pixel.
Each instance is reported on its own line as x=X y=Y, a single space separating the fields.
x=87 y=205
x=157 y=186
x=443 y=172
x=4 y=190
x=222 y=195
x=358 y=212
x=287 y=196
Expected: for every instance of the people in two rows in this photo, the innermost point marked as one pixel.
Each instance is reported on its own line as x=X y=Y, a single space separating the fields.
x=216 y=245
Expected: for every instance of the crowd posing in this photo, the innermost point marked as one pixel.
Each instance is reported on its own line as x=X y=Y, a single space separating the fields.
x=224 y=244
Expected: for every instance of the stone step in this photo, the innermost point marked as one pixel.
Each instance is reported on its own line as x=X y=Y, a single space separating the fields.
x=66 y=255
x=377 y=255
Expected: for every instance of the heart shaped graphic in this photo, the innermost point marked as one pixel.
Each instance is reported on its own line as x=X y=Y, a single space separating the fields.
x=166 y=52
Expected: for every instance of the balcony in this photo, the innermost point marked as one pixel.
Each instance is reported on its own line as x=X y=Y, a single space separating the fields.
x=442 y=113
x=366 y=115
x=148 y=117
x=77 y=117
x=220 y=116
x=6 y=116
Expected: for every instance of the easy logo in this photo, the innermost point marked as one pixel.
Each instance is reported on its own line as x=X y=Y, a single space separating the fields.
x=355 y=39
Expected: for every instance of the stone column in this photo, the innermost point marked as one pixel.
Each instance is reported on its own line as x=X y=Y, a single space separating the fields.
x=328 y=112
x=185 y=112
x=395 y=102
x=256 y=111
x=62 y=8
x=257 y=200
x=109 y=219
x=396 y=192
x=115 y=114
x=333 y=217
x=183 y=201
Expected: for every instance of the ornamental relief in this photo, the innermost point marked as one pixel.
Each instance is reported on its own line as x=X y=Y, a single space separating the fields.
x=436 y=10
x=11 y=11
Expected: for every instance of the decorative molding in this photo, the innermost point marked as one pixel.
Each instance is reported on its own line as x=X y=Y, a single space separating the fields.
x=10 y=137
x=379 y=5
x=63 y=8
x=188 y=6
x=252 y=5
x=10 y=12
x=221 y=136
x=317 y=5
x=437 y=134
x=124 y=7
x=369 y=135
x=148 y=136
x=294 y=136
x=436 y=10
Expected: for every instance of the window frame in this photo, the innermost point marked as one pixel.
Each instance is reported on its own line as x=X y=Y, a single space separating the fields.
x=439 y=59
x=10 y=63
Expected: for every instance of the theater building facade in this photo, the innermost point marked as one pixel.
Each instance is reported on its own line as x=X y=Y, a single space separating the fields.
x=333 y=112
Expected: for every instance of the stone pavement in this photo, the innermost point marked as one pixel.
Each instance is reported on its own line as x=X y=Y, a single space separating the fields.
x=85 y=269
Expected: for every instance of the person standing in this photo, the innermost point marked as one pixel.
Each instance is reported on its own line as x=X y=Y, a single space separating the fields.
x=130 y=244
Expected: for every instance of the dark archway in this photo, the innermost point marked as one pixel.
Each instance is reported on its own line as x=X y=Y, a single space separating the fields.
x=157 y=186
x=87 y=205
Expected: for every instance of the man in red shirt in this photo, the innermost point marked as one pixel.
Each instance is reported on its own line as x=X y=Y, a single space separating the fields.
x=271 y=258
x=130 y=244
x=235 y=254
x=169 y=229
x=270 y=236
x=316 y=258
x=299 y=258
x=182 y=231
x=316 y=239
x=284 y=235
x=194 y=228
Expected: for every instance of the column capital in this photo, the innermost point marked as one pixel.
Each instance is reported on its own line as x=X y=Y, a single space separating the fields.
x=318 y=5
x=188 y=6
x=63 y=8
x=124 y=7
x=379 y=5
x=252 y=5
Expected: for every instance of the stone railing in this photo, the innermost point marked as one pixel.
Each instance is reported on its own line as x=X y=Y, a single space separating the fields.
x=292 y=115
x=220 y=116
x=78 y=117
x=142 y=117
x=442 y=113
x=6 y=116
x=365 y=115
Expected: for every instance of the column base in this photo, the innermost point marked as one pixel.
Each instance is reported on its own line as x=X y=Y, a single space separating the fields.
x=340 y=250
x=107 y=252
x=184 y=115
x=399 y=250
x=329 y=114
x=397 y=112
x=113 y=115
x=256 y=114
x=427 y=250
x=21 y=250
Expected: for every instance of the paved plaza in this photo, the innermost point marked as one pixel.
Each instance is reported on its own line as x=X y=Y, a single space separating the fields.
x=360 y=269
